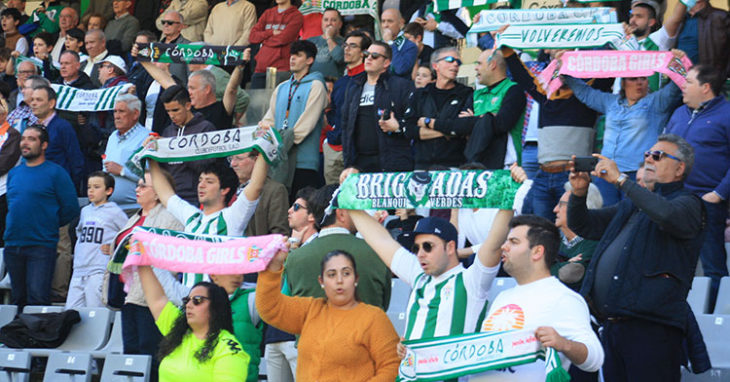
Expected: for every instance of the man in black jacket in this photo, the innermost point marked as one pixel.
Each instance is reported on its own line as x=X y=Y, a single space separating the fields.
x=433 y=113
x=642 y=268
x=375 y=103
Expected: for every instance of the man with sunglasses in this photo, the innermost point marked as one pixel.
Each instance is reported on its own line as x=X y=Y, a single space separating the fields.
x=373 y=138
x=642 y=268
x=171 y=23
x=446 y=298
x=193 y=15
x=432 y=117
x=703 y=121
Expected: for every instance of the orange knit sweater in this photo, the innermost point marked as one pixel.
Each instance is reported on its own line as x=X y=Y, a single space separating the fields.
x=335 y=345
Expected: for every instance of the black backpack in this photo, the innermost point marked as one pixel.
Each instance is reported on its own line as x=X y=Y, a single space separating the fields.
x=39 y=330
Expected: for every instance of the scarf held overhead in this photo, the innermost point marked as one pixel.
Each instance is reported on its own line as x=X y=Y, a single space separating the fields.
x=72 y=99
x=178 y=253
x=612 y=63
x=560 y=36
x=434 y=189
x=211 y=144
x=436 y=359
x=492 y=20
x=222 y=55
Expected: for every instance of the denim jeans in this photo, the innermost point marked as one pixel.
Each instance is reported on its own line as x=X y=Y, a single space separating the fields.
x=529 y=161
x=547 y=188
x=31 y=272
x=140 y=334
x=610 y=194
x=713 y=253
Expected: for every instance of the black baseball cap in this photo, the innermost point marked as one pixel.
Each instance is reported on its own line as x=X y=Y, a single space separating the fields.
x=436 y=226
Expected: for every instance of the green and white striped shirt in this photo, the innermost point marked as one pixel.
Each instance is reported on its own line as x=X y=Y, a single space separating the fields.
x=230 y=221
x=452 y=303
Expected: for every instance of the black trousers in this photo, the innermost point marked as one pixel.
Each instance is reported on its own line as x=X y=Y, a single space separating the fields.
x=640 y=350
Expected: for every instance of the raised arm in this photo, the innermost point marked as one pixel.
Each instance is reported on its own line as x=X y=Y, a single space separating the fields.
x=375 y=235
x=490 y=252
x=163 y=189
x=258 y=177
x=671 y=23
x=159 y=75
x=284 y=312
x=230 y=96
x=153 y=292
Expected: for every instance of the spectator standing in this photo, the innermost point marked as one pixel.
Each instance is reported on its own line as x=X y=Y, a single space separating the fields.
x=651 y=237
x=276 y=30
x=202 y=89
x=297 y=106
x=68 y=19
x=9 y=155
x=414 y=33
x=270 y=216
x=405 y=52
x=22 y=115
x=103 y=8
x=703 y=122
x=373 y=121
x=123 y=27
x=330 y=59
x=99 y=222
x=20 y=6
x=172 y=24
x=15 y=41
x=431 y=121
x=46 y=189
x=193 y=15
x=356 y=43
x=120 y=146
x=95 y=43
x=705 y=35
x=230 y=23
x=44 y=18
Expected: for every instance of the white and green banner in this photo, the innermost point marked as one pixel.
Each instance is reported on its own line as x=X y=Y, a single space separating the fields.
x=441 y=358
x=212 y=144
x=443 y=5
x=491 y=20
x=346 y=7
x=562 y=36
x=73 y=99
x=428 y=189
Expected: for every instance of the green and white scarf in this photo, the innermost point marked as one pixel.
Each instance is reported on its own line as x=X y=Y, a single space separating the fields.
x=211 y=144
x=73 y=99
x=429 y=189
x=436 y=359
x=562 y=36
x=491 y=20
x=225 y=55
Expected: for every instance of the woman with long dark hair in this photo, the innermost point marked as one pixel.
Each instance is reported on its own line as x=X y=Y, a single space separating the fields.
x=342 y=339
x=198 y=343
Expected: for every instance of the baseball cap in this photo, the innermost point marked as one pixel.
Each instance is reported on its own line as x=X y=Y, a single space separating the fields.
x=436 y=226
x=116 y=61
x=653 y=4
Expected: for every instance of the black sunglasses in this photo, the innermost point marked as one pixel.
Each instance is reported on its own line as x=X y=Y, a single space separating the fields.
x=169 y=22
x=428 y=247
x=374 y=55
x=296 y=207
x=657 y=155
x=197 y=300
x=450 y=59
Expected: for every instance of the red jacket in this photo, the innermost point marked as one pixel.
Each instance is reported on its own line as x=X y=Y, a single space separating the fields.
x=275 y=48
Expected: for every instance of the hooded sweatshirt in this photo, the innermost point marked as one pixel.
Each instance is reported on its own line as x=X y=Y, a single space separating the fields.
x=275 y=48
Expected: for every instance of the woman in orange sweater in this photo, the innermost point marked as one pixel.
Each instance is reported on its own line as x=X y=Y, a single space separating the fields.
x=342 y=339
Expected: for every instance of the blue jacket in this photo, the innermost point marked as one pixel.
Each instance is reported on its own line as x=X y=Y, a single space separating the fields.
x=630 y=130
x=63 y=148
x=308 y=149
x=391 y=94
x=405 y=54
x=41 y=199
x=334 y=136
x=655 y=269
x=708 y=131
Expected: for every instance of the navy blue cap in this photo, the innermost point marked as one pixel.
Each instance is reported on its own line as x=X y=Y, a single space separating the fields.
x=437 y=226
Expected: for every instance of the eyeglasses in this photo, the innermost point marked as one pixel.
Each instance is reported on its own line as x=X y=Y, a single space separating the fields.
x=142 y=185
x=450 y=59
x=428 y=247
x=197 y=300
x=350 y=46
x=169 y=22
x=657 y=155
x=374 y=55
x=234 y=158
x=26 y=72
x=296 y=207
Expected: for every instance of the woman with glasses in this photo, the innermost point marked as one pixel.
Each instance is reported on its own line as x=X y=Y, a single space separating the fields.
x=198 y=343
x=342 y=339
x=139 y=334
x=634 y=120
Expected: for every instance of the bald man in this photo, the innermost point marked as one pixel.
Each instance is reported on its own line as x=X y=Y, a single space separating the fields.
x=404 y=51
x=68 y=19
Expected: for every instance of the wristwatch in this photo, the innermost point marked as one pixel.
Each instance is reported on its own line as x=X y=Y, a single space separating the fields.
x=621 y=180
x=121 y=172
x=427 y=121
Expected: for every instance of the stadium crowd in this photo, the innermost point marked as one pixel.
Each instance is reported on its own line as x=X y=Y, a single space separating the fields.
x=613 y=246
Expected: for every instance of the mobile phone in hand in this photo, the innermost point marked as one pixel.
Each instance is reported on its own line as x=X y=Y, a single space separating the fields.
x=585 y=164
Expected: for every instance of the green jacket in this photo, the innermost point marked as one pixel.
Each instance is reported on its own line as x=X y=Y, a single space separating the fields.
x=47 y=21
x=248 y=334
x=489 y=100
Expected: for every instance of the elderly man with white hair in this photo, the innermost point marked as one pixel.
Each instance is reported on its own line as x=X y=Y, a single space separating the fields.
x=121 y=144
x=193 y=13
